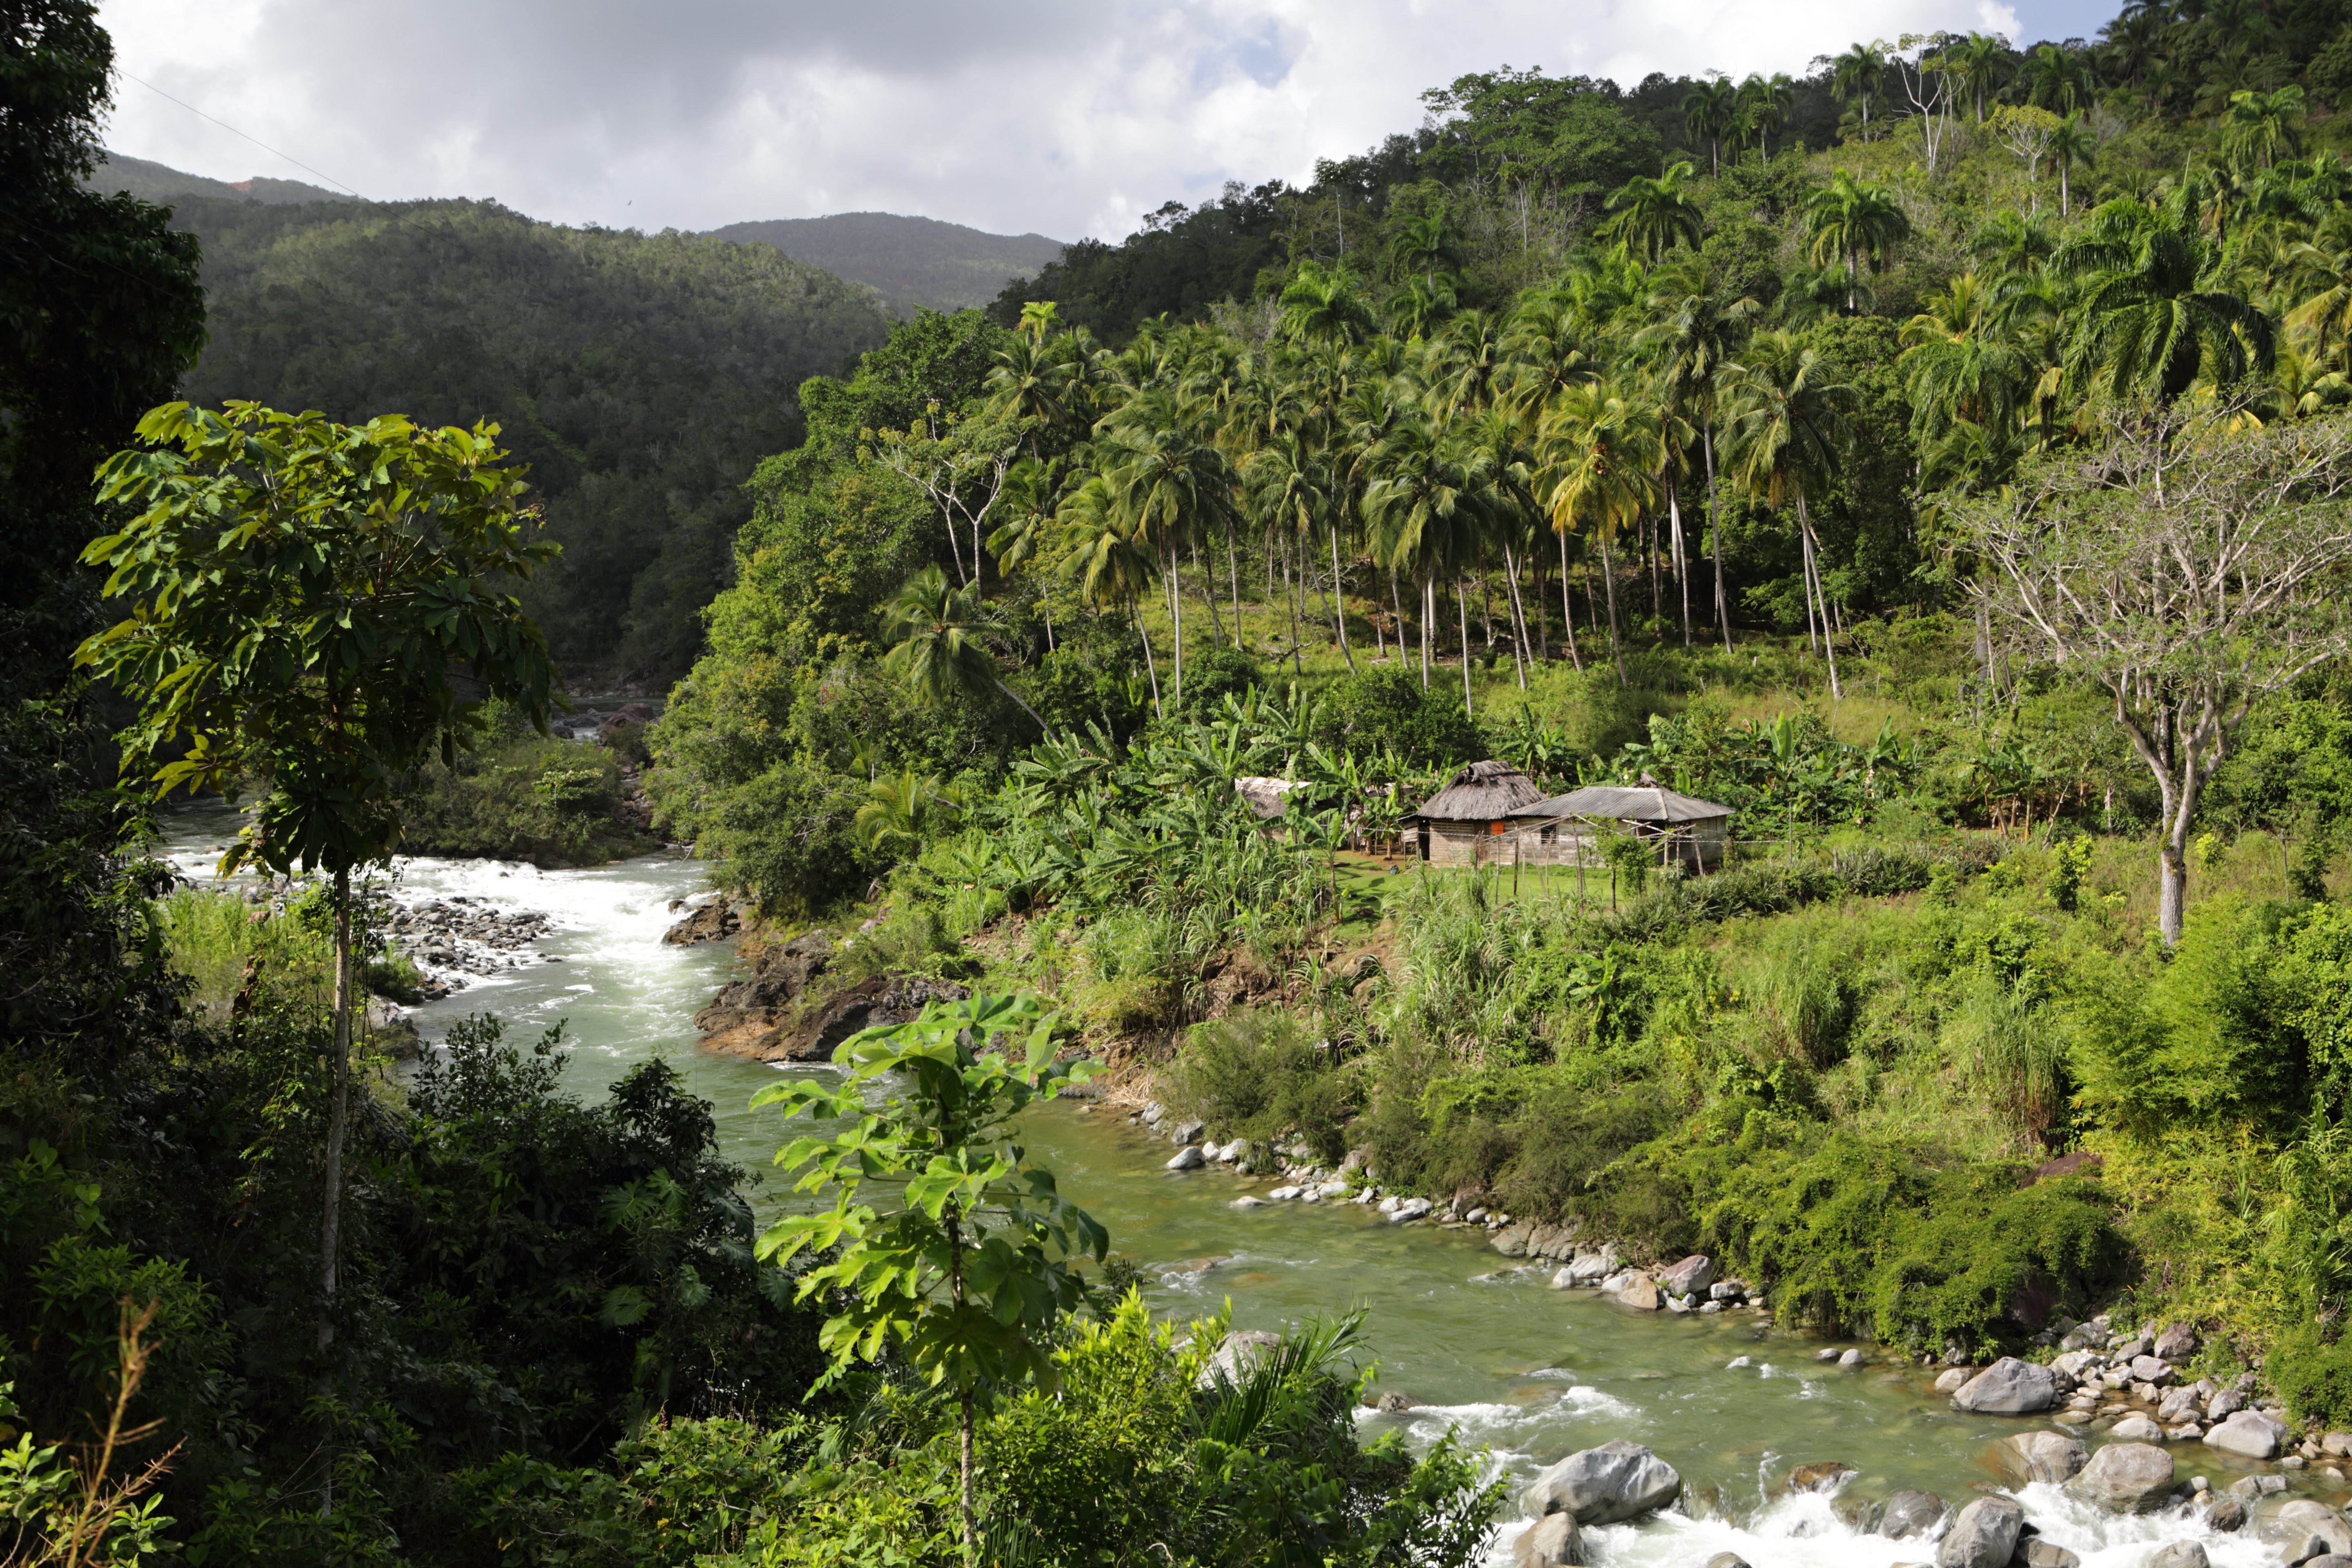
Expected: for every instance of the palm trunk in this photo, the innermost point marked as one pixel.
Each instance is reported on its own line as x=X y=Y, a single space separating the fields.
x=1290 y=598
x=331 y=1213
x=1176 y=606
x=1209 y=593
x=1233 y=569
x=1567 y=610
x=1339 y=608
x=1828 y=645
x=1715 y=530
x=1609 y=580
x=1543 y=626
x=1682 y=559
x=1426 y=600
x=1150 y=666
x=1396 y=600
x=1461 y=611
x=1518 y=616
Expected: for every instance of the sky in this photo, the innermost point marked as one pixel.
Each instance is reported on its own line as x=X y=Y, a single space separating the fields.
x=1069 y=117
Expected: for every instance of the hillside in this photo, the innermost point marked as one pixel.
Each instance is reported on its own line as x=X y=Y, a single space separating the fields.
x=912 y=261
x=640 y=376
x=162 y=185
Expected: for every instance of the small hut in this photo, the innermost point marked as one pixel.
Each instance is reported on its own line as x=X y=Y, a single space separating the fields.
x=1554 y=830
x=1468 y=822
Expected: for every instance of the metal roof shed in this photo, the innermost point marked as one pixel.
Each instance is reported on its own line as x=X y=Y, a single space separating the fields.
x=1690 y=830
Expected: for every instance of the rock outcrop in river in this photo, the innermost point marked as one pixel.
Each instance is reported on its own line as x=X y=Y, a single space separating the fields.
x=776 y=1013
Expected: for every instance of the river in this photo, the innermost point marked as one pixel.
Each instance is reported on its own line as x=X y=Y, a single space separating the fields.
x=1529 y=1372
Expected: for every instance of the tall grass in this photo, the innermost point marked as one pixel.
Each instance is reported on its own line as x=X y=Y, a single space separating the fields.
x=212 y=937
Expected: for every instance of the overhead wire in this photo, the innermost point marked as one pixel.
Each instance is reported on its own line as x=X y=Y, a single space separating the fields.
x=224 y=125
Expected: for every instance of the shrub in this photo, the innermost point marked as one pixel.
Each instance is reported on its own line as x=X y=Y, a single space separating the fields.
x=1378 y=709
x=2314 y=1377
x=1257 y=1075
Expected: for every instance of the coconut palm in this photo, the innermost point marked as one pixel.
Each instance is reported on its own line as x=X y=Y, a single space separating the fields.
x=1029 y=380
x=1787 y=425
x=2014 y=241
x=1598 y=456
x=2320 y=277
x=2151 y=315
x=1652 y=215
x=1697 y=321
x=1170 y=488
x=1856 y=222
x=1422 y=304
x=1291 y=490
x=1424 y=243
x=1320 y=305
x=1709 y=110
x=2260 y=127
x=1428 y=497
x=1108 y=565
x=1960 y=363
x=933 y=629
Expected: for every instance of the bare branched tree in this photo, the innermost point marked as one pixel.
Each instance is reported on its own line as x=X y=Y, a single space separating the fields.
x=2190 y=565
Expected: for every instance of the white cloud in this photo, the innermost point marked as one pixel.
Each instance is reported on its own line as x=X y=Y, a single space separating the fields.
x=1052 y=115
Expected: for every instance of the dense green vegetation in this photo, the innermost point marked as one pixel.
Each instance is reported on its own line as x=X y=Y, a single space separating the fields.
x=1720 y=433
x=1790 y=434
x=639 y=377
x=914 y=263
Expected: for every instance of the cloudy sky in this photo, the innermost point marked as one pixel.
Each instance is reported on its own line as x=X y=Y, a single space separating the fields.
x=1064 y=117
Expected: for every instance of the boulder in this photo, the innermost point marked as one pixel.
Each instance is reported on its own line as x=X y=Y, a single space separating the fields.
x=1910 y=1514
x=1641 y=1292
x=1236 y=1354
x=749 y=1018
x=384 y=1025
x=1825 y=1476
x=1691 y=1277
x=1562 y=1278
x=2044 y=1554
x=1191 y=1131
x=1726 y=1560
x=2136 y=1429
x=2074 y=1364
x=2125 y=1477
x=2179 y=1405
x=2228 y=1513
x=2042 y=1455
x=711 y=923
x=1394 y=1401
x=1246 y=1202
x=2333 y=1560
x=1188 y=1158
x=2250 y=1434
x=1410 y=1209
x=1592 y=1268
x=2007 y=1388
x=2151 y=1369
x=1983 y=1535
x=2228 y=1402
x=2180 y=1554
x=1952 y=1379
x=1850 y=1358
x=2336 y=1445
x=1618 y=1480
x=1511 y=1241
x=2176 y=1343
x=2304 y=1529
x=1552 y=1542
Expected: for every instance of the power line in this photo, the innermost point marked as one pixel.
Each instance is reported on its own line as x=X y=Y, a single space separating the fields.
x=256 y=140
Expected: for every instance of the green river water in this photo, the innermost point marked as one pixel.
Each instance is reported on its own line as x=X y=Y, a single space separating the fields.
x=1529 y=1373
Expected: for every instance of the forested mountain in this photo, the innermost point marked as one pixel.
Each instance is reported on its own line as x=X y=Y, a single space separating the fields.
x=640 y=376
x=162 y=185
x=912 y=261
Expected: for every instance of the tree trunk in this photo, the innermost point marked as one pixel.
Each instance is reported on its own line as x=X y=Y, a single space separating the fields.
x=1543 y=626
x=1567 y=611
x=1233 y=569
x=1812 y=557
x=1715 y=531
x=1176 y=608
x=1150 y=666
x=331 y=1214
x=1290 y=597
x=1682 y=559
x=2171 y=887
x=1461 y=610
x=1339 y=604
x=1209 y=593
x=1518 y=616
x=1427 y=599
x=1609 y=580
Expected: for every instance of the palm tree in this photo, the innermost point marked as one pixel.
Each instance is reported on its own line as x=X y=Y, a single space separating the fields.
x=2260 y=128
x=1421 y=304
x=1961 y=365
x=2150 y=316
x=2320 y=271
x=1428 y=498
x=1038 y=320
x=1170 y=488
x=2071 y=143
x=1764 y=106
x=1696 y=323
x=1290 y=491
x=1421 y=242
x=2017 y=242
x=1107 y=562
x=933 y=629
x=1787 y=425
x=1983 y=62
x=1708 y=112
x=1598 y=456
x=1029 y=380
x=1856 y=76
x=1855 y=221
x=1652 y=215
x=1320 y=305
x=2057 y=78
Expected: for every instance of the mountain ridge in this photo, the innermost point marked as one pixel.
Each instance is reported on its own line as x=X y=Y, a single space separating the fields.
x=912 y=261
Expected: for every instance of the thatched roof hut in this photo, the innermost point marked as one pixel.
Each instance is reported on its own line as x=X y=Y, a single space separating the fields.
x=1466 y=819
